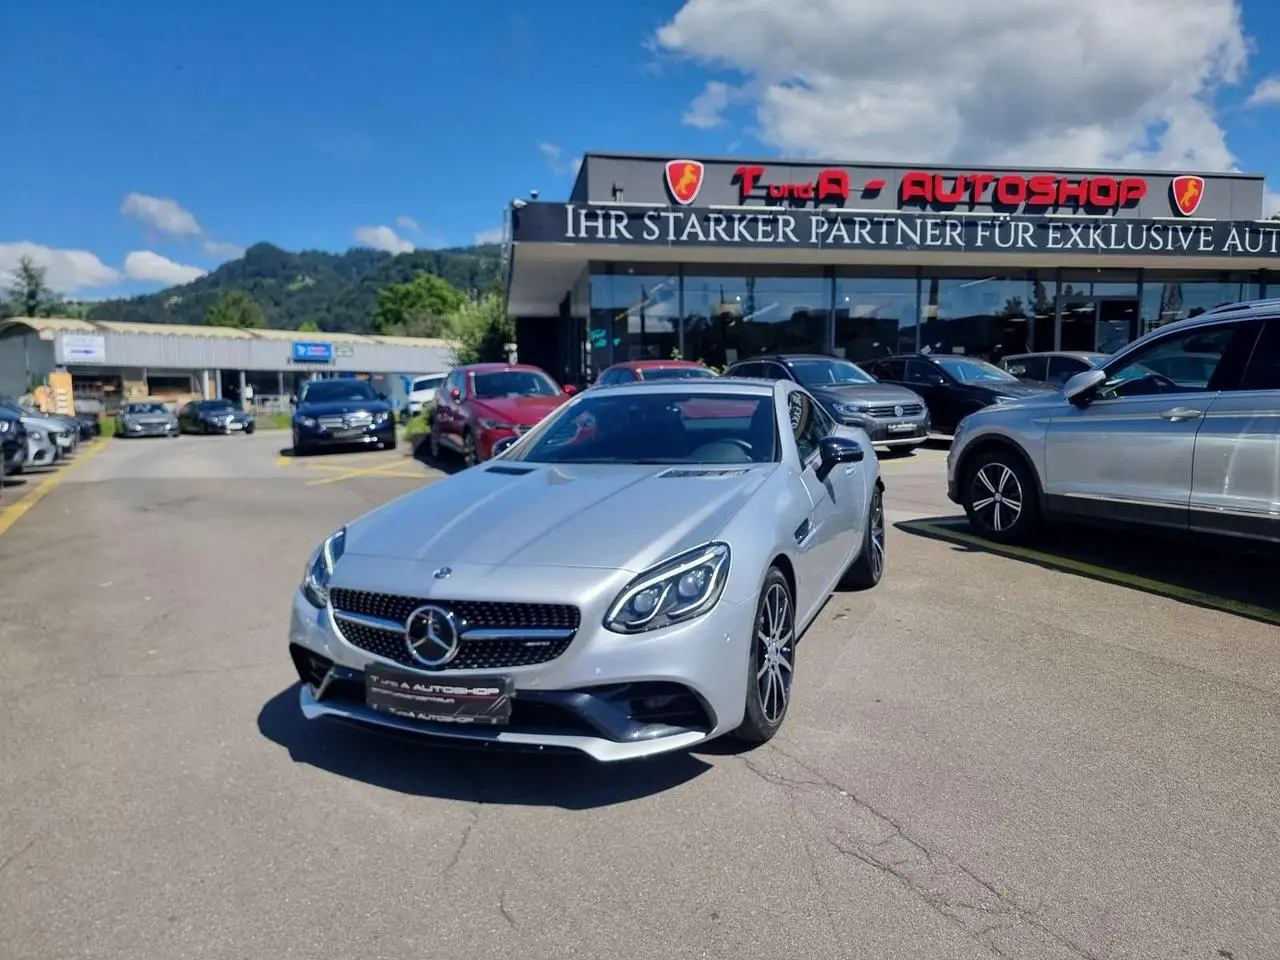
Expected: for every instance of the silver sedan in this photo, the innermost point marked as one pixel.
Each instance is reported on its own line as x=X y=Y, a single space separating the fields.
x=633 y=576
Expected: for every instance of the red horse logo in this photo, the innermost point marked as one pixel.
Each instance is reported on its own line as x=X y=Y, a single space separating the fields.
x=1187 y=194
x=684 y=180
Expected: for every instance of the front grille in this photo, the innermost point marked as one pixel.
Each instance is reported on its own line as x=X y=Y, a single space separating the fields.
x=474 y=654
x=889 y=410
x=346 y=421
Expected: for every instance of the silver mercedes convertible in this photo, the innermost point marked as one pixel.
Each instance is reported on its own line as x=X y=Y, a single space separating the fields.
x=632 y=576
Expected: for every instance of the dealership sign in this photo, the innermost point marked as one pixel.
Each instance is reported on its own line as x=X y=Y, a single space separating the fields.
x=1013 y=191
x=312 y=351
x=904 y=232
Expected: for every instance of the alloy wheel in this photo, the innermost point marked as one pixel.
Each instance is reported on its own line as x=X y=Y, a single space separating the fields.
x=775 y=640
x=997 y=496
x=469 y=450
x=877 y=535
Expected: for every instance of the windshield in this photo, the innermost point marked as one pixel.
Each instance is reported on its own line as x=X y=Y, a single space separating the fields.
x=514 y=383
x=658 y=428
x=216 y=405
x=145 y=408
x=824 y=373
x=973 y=370
x=428 y=383
x=335 y=391
x=674 y=373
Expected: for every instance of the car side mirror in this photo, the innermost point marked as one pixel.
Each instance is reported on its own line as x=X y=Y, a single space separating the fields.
x=833 y=451
x=1081 y=385
x=455 y=394
x=570 y=389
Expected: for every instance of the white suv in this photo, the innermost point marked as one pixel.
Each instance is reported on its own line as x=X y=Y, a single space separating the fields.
x=1178 y=430
x=422 y=395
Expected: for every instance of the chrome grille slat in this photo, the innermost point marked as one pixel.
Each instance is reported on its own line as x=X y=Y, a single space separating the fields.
x=888 y=409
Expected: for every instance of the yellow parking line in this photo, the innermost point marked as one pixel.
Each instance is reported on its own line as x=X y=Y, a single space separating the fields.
x=15 y=511
x=949 y=530
x=350 y=474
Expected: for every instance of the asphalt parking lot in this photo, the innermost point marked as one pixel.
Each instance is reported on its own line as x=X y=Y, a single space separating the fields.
x=987 y=755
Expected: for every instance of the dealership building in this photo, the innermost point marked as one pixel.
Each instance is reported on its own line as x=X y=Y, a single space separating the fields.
x=112 y=361
x=724 y=259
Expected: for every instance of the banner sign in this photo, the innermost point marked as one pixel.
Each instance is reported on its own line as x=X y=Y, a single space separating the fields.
x=84 y=348
x=312 y=352
x=904 y=232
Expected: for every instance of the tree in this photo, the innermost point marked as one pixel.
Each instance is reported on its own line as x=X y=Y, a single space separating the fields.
x=308 y=326
x=29 y=294
x=420 y=308
x=481 y=330
x=235 y=308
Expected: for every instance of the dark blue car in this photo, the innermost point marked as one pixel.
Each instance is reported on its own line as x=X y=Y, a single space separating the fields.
x=340 y=413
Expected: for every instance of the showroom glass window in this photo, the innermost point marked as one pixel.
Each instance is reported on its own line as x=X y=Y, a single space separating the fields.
x=875 y=316
x=982 y=315
x=735 y=316
x=1167 y=297
x=634 y=316
x=1099 y=309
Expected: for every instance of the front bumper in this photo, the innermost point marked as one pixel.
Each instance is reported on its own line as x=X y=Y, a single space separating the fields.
x=383 y=432
x=893 y=431
x=160 y=429
x=609 y=696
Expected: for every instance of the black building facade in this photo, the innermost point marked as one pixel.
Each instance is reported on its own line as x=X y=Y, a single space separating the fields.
x=719 y=260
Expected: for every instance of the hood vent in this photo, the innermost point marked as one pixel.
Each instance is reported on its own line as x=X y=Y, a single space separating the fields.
x=509 y=471
x=682 y=474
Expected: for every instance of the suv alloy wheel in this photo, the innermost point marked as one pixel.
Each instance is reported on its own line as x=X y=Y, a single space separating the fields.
x=999 y=496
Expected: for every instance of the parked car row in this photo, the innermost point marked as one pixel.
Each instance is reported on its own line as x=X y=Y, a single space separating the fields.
x=31 y=439
x=155 y=418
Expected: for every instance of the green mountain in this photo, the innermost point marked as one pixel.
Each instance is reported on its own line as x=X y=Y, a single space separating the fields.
x=335 y=291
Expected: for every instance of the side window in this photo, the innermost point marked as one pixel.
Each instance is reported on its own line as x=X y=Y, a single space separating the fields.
x=808 y=424
x=1181 y=363
x=920 y=372
x=1062 y=369
x=748 y=370
x=608 y=377
x=892 y=370
x=624 y=375
x=1264 y=367
x=1028 y=368
x=776 y=371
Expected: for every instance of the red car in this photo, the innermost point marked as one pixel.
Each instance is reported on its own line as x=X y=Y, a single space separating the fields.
x=481 y=404
x=632 y=370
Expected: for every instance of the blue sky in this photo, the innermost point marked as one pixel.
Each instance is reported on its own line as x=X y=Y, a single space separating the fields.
x=300 y=123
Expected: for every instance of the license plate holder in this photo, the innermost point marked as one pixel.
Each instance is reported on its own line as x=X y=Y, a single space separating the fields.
x=470 y=701
x=901 y=428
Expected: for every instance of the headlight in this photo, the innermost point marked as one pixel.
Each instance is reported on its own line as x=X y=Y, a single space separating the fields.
x=4 y=426
x=496 y=425
x=850 y=409
x=382 y=416
x=306 y=421
x=678 y=589
x=315 y=584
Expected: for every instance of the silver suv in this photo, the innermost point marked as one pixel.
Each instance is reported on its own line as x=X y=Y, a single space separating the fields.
x=1178 y=430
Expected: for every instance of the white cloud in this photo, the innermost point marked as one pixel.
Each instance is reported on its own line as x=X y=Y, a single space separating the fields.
x=1270 y=203
x=382 y=238
x=226 y=251
x=553 y=154
x=492 y=235
x=163 y=214
x=1053 y=82
x=1266 y=93
x=706 y=109
x=66 y=271
x=407 y=223
x=152 y=267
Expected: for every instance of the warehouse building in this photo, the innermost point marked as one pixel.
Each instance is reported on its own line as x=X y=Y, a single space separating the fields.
x=721 y=259
x=112 y=361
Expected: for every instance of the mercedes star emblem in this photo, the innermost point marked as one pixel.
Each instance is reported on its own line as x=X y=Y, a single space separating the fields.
x=444 y=573
x=897 y=411
x=431 y=635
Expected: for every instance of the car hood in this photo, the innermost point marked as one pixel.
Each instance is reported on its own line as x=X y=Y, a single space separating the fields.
x=1014 y=388
x=866 y=393
x=522 y=410
x=336 y=407
x=615 y=517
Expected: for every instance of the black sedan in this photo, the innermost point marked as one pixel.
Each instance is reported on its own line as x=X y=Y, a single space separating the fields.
x=214 y=416
x=953 y=385
x=339 y=413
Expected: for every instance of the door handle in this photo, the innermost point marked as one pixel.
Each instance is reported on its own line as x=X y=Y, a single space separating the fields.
x=1180 y=413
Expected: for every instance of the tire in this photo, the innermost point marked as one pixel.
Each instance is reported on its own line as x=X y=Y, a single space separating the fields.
x=248 y=429
x=433 y=444
x=470 y=456
x=299 y=448
x=868 y=569
x=390 y=444
x=773 y=635
x=1000 y=497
